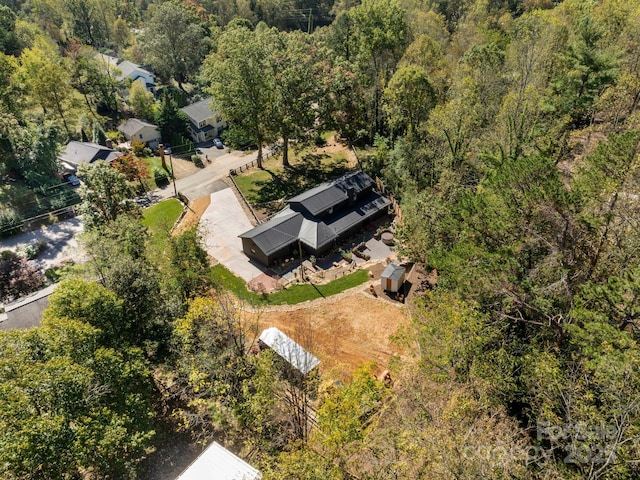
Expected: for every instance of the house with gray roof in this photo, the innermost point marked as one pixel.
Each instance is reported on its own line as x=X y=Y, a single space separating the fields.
x=76 y=153
x=122 y=70
x=134 y=129
x=204 y=123
x=317 y=219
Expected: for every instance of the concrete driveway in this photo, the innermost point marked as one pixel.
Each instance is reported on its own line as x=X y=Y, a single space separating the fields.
x=220 y=226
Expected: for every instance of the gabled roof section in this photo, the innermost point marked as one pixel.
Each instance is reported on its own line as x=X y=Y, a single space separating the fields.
x=132 y=70
x=316 y=234
x=133 y=126
x=346 y=219
x=277 y=233
x=108 y=61
x=199 y=111
x=324 y=196
x=394 y=272
x=289 y=350
x=218 y=463
x=26 y=312
x=76 y=153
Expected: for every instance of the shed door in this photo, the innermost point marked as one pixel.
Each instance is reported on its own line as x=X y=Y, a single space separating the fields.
x=387 y=284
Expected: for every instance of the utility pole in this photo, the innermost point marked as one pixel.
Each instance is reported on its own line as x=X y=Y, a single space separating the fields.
x=175 y=190
x=310 y=23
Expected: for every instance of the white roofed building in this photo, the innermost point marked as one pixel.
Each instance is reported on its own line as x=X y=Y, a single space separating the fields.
x=289 y=350
x=218 y=463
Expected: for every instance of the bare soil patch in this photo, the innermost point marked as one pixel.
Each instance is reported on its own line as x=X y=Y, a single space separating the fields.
x=335 y=145
x=343 y=331
x=182 y=167
x=194 y=211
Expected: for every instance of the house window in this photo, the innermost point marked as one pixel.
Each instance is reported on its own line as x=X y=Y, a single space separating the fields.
x=140 y=136
x=201 y=124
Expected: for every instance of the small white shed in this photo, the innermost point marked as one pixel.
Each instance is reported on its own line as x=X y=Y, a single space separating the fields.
x=392 y=278
x=218 y=463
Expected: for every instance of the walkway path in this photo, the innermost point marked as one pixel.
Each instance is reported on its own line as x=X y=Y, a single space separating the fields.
x=60 y=238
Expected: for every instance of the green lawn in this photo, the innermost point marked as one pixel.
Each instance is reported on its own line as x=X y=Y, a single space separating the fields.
x=292 y=295
x=159 y=219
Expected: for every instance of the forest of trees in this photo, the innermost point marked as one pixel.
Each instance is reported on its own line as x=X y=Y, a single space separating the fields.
x=508 y=130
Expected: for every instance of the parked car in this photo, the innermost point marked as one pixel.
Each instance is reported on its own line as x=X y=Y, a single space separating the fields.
x=167 y=149
x=218 y=143
x=71 y=179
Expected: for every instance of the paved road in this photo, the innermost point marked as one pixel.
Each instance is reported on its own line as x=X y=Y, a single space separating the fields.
x=202 y=182
x=61 y=243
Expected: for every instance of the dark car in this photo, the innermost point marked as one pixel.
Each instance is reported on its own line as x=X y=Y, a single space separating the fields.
x=218 y=143
x=71 y=179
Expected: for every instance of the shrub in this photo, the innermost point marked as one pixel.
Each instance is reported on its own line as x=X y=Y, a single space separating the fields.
x=10 y=222
x=138 y=147
x=197 y=160
x=33 y=250
x=160 y=176
x=147 y=152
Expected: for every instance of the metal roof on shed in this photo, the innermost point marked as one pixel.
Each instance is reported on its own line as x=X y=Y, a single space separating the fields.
x=394 y=272
x=218 y=463
x=289 y=350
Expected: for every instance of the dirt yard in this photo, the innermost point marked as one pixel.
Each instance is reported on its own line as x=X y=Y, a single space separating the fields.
x=182 y=167
x=342 y=331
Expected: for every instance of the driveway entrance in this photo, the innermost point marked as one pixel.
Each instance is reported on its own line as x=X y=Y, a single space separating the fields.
x=220 y=226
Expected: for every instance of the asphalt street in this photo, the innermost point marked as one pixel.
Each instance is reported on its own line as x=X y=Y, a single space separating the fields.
x=61 y=244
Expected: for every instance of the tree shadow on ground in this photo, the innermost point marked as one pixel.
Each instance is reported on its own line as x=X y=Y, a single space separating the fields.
x=301 y=176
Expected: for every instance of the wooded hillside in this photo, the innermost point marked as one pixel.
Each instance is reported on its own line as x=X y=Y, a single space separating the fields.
x=508 y=130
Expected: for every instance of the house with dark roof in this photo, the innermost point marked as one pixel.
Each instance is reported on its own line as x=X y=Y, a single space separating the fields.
x=76 y=153
x=134 y=129
x=317 y=219
x=204 y=123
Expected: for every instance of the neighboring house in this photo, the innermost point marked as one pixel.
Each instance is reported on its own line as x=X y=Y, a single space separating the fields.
x=134 y=129
x=317 y=219
x=26 y=312
x=292 y=352
x=76 y=153
x=122 y=70
x=218 y=463
x=204 y=123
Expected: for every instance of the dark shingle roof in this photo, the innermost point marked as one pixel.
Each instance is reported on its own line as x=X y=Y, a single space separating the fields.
x=199 y=111
x=76 y=153
x=277 y=233
x=289 y=226
x=26 y=312
x=347 y=218
x=324 y=196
